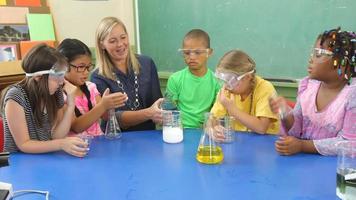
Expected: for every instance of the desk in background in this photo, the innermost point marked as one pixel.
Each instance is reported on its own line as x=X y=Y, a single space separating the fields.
x=142 y=166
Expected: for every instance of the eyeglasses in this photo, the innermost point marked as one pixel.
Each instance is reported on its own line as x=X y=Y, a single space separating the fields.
x=196 y=52
x=57 y=72
x=82 y=68
x=321 y=55
x=231 y=80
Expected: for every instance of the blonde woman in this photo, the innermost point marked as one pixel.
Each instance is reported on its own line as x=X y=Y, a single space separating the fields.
x=120 y=70
x=244 y=96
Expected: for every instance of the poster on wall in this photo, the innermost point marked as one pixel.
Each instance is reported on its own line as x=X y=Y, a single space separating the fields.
x=14 y=33
x=9 y=52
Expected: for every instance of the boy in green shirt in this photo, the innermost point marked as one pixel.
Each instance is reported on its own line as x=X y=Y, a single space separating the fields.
x=194 y=88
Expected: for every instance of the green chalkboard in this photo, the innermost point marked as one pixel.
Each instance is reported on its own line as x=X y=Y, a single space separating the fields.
x=278 y=34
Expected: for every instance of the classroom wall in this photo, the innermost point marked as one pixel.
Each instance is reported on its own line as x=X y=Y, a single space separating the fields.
x=79 y=19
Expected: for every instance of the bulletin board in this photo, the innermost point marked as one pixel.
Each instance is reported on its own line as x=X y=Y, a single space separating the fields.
x=24 y=24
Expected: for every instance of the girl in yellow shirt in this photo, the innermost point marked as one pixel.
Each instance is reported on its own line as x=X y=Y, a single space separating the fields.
x=244 y=96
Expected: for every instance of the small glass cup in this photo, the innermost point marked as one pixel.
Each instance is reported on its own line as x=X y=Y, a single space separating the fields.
x=226 y=123
x=346 y=170
x=86 y=138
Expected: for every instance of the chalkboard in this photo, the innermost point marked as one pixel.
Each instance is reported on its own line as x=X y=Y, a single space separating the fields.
x=278 y=34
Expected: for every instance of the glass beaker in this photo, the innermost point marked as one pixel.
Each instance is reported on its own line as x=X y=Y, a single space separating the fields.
x=346 y=170
x=112 y=130
x=172 y=130
x=168 y=103
x=225 y=124
x=209 y=152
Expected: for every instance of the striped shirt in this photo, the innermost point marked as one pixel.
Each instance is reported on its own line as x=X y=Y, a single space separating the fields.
x=44 y=133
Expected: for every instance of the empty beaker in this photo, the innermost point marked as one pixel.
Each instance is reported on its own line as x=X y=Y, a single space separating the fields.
x=224 y=124
x=346 y=170
x=168 y=102
x=172 y=130
x=112 y=130
x=209 y=152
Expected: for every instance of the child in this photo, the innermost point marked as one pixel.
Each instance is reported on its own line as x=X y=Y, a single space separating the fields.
x=120 y=70
x=35 y=118
x=89 y=106
x=194 y=88
x=326 y=108
x=244 y=96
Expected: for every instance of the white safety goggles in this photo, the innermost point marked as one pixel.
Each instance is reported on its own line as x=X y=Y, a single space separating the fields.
x=57 y=72
x=319 y=55
x=230 y=79
x=196 y=52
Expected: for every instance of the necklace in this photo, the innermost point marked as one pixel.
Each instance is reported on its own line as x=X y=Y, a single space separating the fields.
x=136 y=103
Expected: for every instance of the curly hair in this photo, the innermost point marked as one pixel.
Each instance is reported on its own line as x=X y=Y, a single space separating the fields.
x=343 y=46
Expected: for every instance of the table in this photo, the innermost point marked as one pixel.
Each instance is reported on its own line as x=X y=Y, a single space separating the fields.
x=141 y=166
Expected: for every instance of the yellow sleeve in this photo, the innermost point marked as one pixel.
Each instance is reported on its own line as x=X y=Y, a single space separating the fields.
x=261 y=100
x=218 y=110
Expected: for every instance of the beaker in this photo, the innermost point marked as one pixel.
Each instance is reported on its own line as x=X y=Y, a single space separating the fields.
x=346 y=170
x=168 y=102
x=209 y=152
x=224 y=124
x=112 y=130
x=172 y=130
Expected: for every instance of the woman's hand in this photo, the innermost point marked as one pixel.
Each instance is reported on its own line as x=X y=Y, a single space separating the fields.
x=155 y=113
x=113 y=100
x=288 y=145
x=75 y=146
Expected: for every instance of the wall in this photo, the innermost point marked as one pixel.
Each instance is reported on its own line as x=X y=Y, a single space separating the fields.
x=79 y=19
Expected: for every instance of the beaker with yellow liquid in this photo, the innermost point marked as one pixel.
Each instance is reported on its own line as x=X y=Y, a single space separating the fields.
x=209 y=152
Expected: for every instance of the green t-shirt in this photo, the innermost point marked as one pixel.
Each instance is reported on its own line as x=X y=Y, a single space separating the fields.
x=194 y=95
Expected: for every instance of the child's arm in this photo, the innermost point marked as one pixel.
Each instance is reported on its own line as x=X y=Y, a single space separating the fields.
x=256 y=124
x=279 y=106
x=289 y=145
x=17 y=123
x=328 y=146
x=64 y=119
x=106 y=102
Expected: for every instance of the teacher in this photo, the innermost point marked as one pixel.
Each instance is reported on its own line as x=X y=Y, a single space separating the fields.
x=121 y=70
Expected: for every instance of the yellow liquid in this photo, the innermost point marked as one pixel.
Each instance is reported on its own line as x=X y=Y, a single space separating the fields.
x=210 y=155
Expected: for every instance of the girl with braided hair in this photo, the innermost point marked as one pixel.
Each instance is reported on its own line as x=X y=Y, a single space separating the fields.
x=325 y=112
x=89 y=105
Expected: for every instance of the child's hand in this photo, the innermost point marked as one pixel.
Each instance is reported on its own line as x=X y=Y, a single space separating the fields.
x=288 y=145
x=113 y=100
x=218 y=133
x=226 y=98
x=70 y=90
x=75 y=146
x=277 y=103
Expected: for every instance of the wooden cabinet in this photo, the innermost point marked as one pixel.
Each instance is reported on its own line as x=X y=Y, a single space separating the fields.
x=10 y=72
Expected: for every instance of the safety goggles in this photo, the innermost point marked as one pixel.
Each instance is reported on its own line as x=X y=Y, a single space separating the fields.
x=319 y=55
x=195 y=52
x=230 y=79
x=57 y=72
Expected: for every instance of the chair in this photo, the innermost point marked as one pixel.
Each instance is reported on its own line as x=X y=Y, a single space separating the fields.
x=290 y=103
